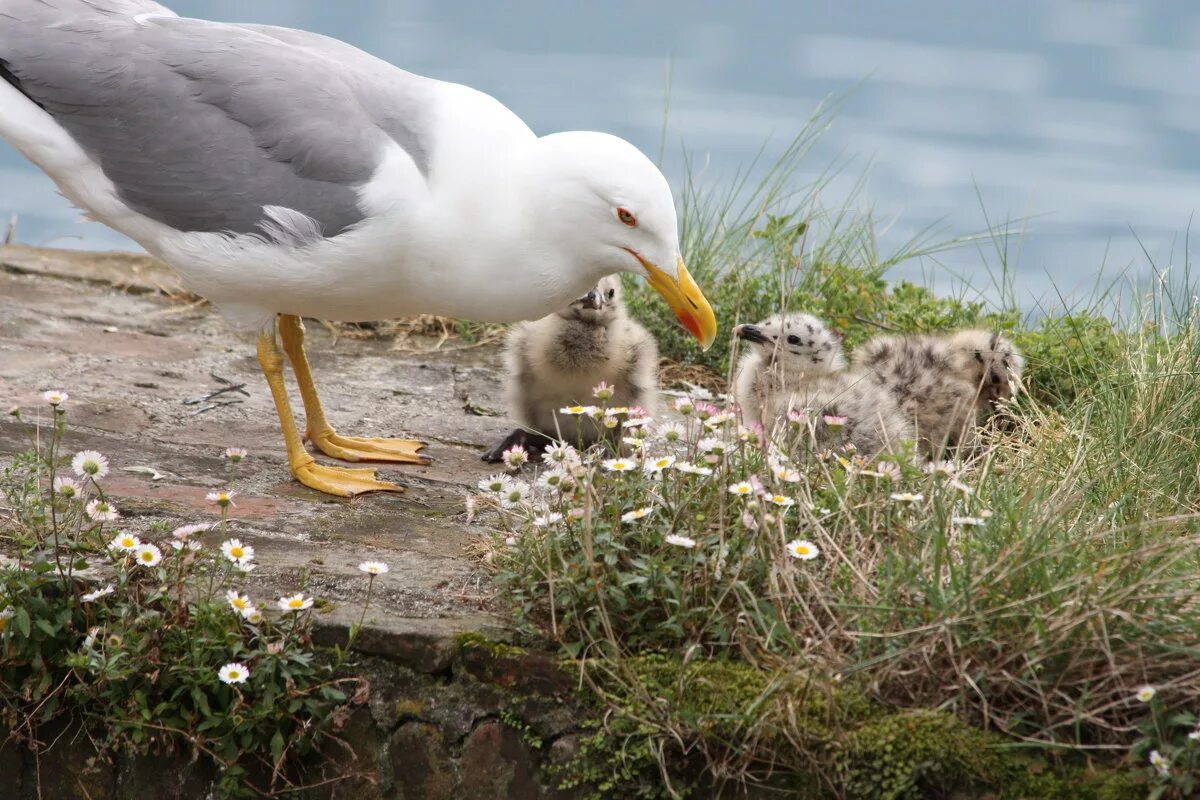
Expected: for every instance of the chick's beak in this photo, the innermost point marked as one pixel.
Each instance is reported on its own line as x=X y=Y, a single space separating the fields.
x=685 y=299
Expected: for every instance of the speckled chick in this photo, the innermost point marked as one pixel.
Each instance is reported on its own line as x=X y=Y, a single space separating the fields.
x=793 y=362
x=947 y=385
x=557 y=360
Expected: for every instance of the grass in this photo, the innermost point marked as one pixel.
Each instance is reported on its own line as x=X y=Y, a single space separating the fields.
x=1028 y=597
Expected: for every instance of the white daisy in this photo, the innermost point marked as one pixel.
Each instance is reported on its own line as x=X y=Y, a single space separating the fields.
x=184 y=532
x=101 y=511
x=908 y=498
x=711 y=445
x=670 y=432
x=744 y=488
x=515 y=457
x=556 y=480
x=636 y=514
x=222 y=497
x=802 y=549
x=1160 y=764
x=235 y=454
x=373 y=567
x=513 y=494
x=67 y=487
x=1146 y=694
x=148 y=555
x=494 y=484
x=636 y=422
x=685 y=406
x=191 y=546
x=782 y=500
x=968 y=522
x=124 y=543
x=552 y=518
x=233 y=673
x=89 y=464
x=680 y=541
x=252 y=615
x=619 y=465
x=888 y=471
x=235 y=551
x=942 y=469
x=297 y=602
x=562 y=454
x=93 y=596
x=55 y=397
x=237 y=601
x=717 y=420
x=575 y=411
x=692 y=469
x=655 y=466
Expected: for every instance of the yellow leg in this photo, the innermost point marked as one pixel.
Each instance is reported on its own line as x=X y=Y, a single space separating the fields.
x=320 y=432
x=331 y=480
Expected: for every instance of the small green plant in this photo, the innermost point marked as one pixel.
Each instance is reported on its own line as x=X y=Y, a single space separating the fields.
x=152 y=642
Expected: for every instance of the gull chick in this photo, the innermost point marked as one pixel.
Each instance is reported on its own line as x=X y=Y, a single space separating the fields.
x=947 y=384
x=794 y=363
x=556 y=361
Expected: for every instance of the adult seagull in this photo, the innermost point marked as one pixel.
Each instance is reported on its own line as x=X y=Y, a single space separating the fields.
x=286 y=174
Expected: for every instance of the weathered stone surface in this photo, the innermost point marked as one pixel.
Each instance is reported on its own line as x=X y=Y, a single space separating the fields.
x=173 y=777
x=67 y=767
x=496 y=763
x=420 y=762
x=532 y=673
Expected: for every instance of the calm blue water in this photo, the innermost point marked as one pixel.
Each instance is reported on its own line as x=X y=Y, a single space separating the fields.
x=1082 y=116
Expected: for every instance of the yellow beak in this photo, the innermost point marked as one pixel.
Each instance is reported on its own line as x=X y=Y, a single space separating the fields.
x=686 y=300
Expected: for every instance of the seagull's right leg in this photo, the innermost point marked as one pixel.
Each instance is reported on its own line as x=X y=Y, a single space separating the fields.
x=331 y=480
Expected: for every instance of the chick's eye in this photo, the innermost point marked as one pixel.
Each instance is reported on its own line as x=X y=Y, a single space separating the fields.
x=611 y=292
x=793 y=339
x=626 y=216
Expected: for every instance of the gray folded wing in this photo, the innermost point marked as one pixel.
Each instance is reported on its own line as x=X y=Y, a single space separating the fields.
x=201 y=125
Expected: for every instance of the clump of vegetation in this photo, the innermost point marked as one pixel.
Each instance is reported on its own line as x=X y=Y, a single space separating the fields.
x=153 y=643
x=1020 y=599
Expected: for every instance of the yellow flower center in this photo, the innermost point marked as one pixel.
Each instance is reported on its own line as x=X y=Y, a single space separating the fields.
x=295 y=603
x=236 y=552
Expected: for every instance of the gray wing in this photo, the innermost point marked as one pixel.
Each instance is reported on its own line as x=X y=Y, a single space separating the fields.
x=200 y=125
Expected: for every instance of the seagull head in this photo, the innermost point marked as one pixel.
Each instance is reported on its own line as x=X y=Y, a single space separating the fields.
x=606 y=208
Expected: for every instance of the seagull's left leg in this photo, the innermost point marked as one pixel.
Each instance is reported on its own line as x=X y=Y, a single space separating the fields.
x=320 y=433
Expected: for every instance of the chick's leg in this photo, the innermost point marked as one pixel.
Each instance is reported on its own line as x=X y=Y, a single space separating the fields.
x=331 y=480
x=320 y=433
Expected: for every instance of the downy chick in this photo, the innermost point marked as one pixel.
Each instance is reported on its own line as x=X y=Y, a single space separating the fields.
x=557 y=360
x=947 y=385
x=793 y=362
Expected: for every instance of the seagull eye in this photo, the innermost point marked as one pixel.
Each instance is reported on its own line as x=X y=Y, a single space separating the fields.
x=626 y=216
x=793 y=339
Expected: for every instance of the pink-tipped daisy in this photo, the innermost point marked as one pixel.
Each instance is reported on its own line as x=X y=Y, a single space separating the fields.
x=235 y=454
x=373 y=567
x=515 y=457
x=222 y=497
x=67 y=487
x=55 y=397
x=602 y=392
x=89 y=464
x=101 y=511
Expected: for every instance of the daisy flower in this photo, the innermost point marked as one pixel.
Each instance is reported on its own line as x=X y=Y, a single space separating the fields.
x=962 y=487
x=797 y=418
x=233 y=673
x=191 y=546
x=1160 y=764
x=93 y=596
x=636 y=514
x=888 y=471
x=513 y=494
x=634 y=442
x=680 y=541
x=692 y=469
x=743 y=488
x=495 y=484
x=515 y=457
x=556 y=480
x=576 y=514
x=101 y=511
x=907 y=497
x=602 y=392
x=1194 y=736
x=185 y=532
x=561 y=454
x=148 y=555
x=636 y=422
x=222 y=497
x=552 y=518
x=66 y=487
x=802 y=549
x=787 y=474
x=782 y=500
x=124 y=543
x=89 y=464
x=942 y=469
x=252 y=615
x=619 y=465
x=235 y=454
x=968 y=522
x=834 y=422
x=750 y=521
x=657 y=465
x=55 y=397
x=373 y=567
x=711 y=445
x=237 y=601
x=1146 y=694
x=704 y=411
x=670 y=431
x=5 y=616
x=575 y=411
x=685 y=406
x=235 y=551
x=610 y=423
x=717 y=420
x=297 y=602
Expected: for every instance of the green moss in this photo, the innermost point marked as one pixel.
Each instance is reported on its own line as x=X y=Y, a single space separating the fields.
x=466 y=640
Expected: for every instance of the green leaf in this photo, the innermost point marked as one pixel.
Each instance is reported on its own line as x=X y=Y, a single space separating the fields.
x=47 y=628
x=277 y=746
x=23 y=623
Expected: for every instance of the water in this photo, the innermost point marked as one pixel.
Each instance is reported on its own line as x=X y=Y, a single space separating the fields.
x=1081 y=116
